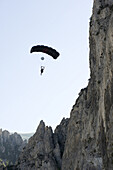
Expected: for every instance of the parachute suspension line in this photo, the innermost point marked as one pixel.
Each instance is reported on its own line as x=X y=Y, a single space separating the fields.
x=42 y=61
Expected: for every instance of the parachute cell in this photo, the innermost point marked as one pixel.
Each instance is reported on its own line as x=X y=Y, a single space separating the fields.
x=45 y=49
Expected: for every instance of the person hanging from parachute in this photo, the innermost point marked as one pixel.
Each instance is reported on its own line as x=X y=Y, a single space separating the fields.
x=45 y=49
x=42 y=70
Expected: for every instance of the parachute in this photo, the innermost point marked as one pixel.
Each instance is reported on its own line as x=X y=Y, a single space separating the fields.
x=45 y=49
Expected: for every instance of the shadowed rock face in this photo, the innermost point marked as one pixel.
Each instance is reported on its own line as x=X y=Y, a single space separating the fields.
x=10 y=146
x=91 y=123
x=85 y=141
x=45 y=148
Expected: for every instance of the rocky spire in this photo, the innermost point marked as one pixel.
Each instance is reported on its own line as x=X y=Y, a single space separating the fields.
x=44 y=149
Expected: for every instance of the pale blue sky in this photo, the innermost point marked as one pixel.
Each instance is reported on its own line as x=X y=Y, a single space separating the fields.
x=25 y=96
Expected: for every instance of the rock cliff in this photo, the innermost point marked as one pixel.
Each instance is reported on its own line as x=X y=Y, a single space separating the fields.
x=91 y=122
x=85 y=140
x=45 y=148
x=10 y=147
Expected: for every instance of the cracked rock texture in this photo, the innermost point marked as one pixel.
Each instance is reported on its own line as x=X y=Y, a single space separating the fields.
x=85 y=140
x=10 y=146
x=45 y=148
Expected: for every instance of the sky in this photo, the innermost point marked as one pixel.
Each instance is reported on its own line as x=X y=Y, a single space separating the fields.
x=26 y=97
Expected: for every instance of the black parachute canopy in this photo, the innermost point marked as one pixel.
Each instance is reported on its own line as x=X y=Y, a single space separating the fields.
x=45 y=49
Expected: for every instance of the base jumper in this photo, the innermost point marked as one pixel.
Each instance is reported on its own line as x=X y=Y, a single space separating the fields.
x=42 y=70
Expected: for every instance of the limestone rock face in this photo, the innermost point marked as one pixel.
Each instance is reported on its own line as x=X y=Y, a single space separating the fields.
x=10 y=146
x=44 y=149
x=85 y=141
x=91 y=123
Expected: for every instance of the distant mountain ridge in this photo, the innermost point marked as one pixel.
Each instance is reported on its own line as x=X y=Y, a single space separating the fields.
x=11 y=146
